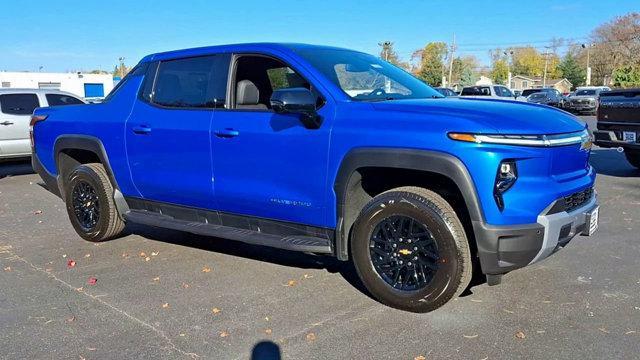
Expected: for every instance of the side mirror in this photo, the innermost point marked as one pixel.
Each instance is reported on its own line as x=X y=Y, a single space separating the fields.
x=297 y=101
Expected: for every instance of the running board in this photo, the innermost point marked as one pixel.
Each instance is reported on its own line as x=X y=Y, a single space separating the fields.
x=301 y=243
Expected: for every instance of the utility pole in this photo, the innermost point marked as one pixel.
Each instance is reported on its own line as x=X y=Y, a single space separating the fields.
x=546 y=64
x=508 y=55
x=453 y=50
x=588 y=47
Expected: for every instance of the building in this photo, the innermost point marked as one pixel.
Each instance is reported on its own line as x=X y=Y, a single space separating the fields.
x=484 y=80
x=88 y=86
x=520 y=82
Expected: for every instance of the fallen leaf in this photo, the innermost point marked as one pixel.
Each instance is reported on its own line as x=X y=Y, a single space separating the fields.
x=185 y=285
x=48 y=269
x=147 y=258
x=420 y=357
x=88 y=255
x=183 y=334
x=224 y=334
x=630 y=332
x=80 y=289
x=92 y=281
x=307 y=276
x=64 y=256
x=604 y=330
x=476 y=300
x=266 y=318
x=91 y=349
x=268 y=331
x=215 y=311
x=165 y=305
x=520 y=335
x=157 y=278
x=508 y=311
x=142 y=254
x=8 y=268
x=37 y=212
x=70 y=263
x=206 y=269
x=311 y=337
x=154 y=253
x=124 y=255
x=71 y=319
x=470 y=336
x=290 y=283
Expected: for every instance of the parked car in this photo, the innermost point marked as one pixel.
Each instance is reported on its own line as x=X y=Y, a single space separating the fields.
x=262 y=143
x=16 y=107
x=585 y=99
x=516 y=93
x=446 y=92
x=619 y=123
x=488 y=91
x=550 y=97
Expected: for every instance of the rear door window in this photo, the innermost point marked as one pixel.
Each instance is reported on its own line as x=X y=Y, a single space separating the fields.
x=198 y=82
x=18 y=104
x=61 y=99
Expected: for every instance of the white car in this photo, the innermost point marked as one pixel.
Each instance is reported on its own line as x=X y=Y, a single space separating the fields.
x=16 y=107
x=488 y=91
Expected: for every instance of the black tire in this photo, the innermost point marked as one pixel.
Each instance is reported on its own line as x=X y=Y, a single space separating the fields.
x=453 y=265
x=633 y=157
x=94 y=216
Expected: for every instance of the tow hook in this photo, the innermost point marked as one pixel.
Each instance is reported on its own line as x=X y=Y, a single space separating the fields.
x=620 y=149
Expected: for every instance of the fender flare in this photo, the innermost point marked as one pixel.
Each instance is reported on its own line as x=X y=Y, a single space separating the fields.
x=422 y=160
x=94 y=145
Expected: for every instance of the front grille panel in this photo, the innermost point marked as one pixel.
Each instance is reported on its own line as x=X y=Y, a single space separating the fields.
x=578 y=199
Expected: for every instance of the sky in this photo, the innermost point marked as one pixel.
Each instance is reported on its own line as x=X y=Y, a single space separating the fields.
x=65 y=35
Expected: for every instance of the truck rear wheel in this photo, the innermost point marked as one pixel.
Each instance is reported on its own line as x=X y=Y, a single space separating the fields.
x=633 y=157
x=410 y=250
x=90 y=204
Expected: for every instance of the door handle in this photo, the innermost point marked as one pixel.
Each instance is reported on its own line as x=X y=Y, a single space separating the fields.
x=142 y=130
x=227 y=133
x=6 y=123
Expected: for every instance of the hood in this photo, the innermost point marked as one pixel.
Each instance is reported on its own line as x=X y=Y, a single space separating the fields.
x=583 y=97
x=496 y=116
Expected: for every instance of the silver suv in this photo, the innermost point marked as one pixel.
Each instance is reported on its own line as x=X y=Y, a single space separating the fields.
x=16 y=107
x=585 y=99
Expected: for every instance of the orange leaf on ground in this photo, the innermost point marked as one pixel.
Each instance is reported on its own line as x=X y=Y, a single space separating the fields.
x=157 y=278
x=311 y=337
x=290 y=283
x=206 y=269
x=8 y=268
x=268 y=331
x=165 y=305
x=70 y=263
x=420 y=357
x=520 y=335
x=224 y=334
x=215 y=311
x=143 y=254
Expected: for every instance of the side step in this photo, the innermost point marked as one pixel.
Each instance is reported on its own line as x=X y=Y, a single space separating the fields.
x=290 y=242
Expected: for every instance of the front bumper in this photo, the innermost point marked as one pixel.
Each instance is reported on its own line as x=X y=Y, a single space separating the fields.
x=507 y=248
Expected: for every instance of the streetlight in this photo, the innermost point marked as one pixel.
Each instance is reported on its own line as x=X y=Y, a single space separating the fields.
x=385 y=49
x=588 y=47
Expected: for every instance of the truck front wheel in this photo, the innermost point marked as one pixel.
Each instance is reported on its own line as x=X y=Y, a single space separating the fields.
x=410 y=250
x=90 y=204
x=633 y=157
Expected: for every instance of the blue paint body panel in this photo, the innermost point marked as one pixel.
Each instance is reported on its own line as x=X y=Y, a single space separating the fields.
x=277 y=169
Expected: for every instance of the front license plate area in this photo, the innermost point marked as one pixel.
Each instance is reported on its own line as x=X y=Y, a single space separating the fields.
x=592 y=222
x=629 y=136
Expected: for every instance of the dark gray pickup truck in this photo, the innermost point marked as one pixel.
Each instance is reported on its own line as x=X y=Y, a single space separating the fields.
x=619 y=123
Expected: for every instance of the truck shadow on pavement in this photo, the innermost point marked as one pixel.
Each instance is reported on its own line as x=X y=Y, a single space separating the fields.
x=612 y=163
x=15 y=168
x=254 y=252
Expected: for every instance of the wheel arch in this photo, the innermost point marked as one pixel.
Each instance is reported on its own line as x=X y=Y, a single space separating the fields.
x=73 y=150
x=350 y=198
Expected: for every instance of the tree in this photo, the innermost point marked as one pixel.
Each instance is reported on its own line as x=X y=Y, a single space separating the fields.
x=627 y=77
x=613 y=45
x=389 y=54
x=570 y=69
x=468 y=77
x=431 y=68
x=500 y=71
x=528 y=61
x=462 y=65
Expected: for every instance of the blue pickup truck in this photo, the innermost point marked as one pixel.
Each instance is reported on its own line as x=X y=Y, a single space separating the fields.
x=327 y=151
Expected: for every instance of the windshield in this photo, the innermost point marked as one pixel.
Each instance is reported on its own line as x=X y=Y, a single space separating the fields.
x=585 y=92
x=366 y=78
x=538 y=96
x=530 y=91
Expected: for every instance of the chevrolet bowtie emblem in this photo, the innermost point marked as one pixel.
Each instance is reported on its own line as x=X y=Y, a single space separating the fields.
x=405 y=252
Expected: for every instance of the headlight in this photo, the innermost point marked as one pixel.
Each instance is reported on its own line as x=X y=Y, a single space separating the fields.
x=505 y=178
x=522 y=140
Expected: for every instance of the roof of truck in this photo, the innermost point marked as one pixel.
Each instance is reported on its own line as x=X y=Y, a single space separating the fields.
x=4 y=91
x=236 y=48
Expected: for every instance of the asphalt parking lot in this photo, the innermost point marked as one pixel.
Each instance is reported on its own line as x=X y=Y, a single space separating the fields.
x=172 y=295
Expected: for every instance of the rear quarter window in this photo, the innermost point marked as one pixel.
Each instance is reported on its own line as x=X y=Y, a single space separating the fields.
x=61 y=99
x=18 y=104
